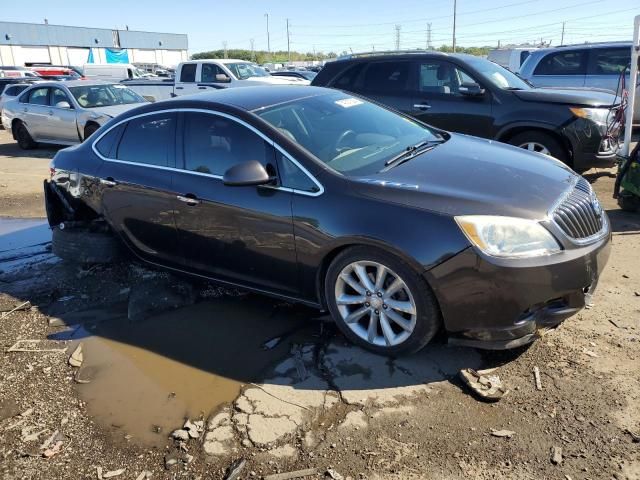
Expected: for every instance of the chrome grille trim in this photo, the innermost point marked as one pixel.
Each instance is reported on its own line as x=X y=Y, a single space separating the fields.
x=578 y=215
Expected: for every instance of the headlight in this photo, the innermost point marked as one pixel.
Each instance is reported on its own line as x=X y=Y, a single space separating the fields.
x=508 y=236
x=598 y=115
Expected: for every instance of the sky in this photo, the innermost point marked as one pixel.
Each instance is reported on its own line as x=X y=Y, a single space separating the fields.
x=343 y=25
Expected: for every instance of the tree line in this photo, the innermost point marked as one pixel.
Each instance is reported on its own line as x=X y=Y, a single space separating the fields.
x=282 y=56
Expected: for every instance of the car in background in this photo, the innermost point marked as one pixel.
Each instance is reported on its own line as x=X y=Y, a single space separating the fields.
x=302 y=74
x=510 y=58
x=316 y=196
x=467 y=94
x=10 y=71
x=53 y=72
x=113 y=72
x=65 y=113
x=590 y=65
x=10 y=92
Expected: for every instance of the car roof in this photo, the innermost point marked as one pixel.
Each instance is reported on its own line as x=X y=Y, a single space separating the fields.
x=219 y=60
x=408 y=55
x=583 y=46
x=75 y=83
x=253 y=98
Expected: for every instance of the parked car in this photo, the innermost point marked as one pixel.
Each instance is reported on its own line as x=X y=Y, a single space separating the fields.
x=198 y=76
x=302 y=74
x=472 y=95
x=11 y=91
x=51 y=72
x=10 y=71
x=113 y=72
x=591 y=65
x=64 y=113
x=320 y=197
x=510 y=58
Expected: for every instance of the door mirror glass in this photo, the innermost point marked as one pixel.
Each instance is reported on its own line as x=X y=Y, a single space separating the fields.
x=63 y=104
x=246 y=173
x=470 y=89
x=222 y=78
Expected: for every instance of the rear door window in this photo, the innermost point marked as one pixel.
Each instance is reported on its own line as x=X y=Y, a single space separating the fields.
x=149 y=140
x=573 y=62
x=347 y=79
x=188 y=73
x=386 y=77
x=107 y=144
x=609 y=61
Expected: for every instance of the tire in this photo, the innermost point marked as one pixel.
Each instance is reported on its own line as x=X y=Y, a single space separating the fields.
x=421 y=325
x=535 y=138
x=24 y=138
x=90 y=130
x=79 y=245
x=628 y=202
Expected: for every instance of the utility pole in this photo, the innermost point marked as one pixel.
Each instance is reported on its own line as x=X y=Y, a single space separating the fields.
x=454 y=25
x=428 y=36
x=562 y=37
x=397 y=37
x=498 y=43
x=268 y=37
x=253 y=58
x=288 y=42
x=224 y=46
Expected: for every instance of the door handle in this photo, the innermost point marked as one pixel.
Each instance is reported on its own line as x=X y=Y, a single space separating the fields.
x=188 y=199
x=422 y=106
x=179 y=88
x=202 y=88
x=50 y=112
x=25 y=109
x=108 y=182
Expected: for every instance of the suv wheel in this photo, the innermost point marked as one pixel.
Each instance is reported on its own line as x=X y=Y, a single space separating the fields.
x=23 y=137
x=540 y=142
x=380 y=303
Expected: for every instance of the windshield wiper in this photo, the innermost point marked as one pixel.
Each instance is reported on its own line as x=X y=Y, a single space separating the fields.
x=410 y=152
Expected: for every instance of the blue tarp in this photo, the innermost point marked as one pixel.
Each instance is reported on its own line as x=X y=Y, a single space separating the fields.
x=116 y=55
x=90 y=59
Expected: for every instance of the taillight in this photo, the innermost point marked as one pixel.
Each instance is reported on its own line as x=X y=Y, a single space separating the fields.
x=52 y=172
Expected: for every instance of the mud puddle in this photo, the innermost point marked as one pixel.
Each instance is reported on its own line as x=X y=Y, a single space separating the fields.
x=146 y=378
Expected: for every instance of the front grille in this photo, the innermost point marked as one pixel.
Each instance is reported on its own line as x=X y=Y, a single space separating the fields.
x=579 y=215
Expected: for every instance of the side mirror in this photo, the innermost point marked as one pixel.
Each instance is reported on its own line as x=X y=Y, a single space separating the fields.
x=246 y=174
x=470 y=89
x=222 y=78
x=63 y=104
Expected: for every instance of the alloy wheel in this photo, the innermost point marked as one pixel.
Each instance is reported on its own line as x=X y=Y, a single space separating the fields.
x=375 y=303
x=535 y=147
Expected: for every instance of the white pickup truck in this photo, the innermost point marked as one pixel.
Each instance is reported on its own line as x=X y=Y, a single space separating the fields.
x=198 y=76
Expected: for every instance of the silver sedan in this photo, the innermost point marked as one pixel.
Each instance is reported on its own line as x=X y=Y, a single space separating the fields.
x=65 y=113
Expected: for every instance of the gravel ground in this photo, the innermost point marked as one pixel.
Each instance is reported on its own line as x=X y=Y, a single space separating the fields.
x=307 y=399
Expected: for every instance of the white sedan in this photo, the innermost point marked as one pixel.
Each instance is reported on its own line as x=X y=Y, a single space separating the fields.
x=65 y=113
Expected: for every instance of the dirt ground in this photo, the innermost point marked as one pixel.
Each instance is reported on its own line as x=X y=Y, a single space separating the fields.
x=228 y=376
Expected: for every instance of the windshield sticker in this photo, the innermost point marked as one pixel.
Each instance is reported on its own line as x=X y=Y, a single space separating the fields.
x=349 y=102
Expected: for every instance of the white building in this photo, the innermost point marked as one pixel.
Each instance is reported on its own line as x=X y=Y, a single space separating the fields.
x=22 y=44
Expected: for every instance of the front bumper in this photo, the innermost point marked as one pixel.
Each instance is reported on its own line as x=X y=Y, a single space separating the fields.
x=503 y=304
x=589 y=144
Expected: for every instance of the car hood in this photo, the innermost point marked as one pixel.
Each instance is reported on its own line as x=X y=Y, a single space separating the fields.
x=279 y=80
x=472 y=176
x=113 y=110
x=568 y=96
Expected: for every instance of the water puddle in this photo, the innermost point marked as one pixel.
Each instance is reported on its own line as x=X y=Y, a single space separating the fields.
x=23 y=242
x=146 y=378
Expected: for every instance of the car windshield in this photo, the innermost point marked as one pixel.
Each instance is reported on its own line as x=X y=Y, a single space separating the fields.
x=499 y=76
x=350 y=135
x=93 y=96
x=246 y=70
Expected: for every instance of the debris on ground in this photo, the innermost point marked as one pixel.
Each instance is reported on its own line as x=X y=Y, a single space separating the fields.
x=536 y=376
x=77 y=357
x=235 y=469
x=144 y=475
x=634 y=436
x=113 y=473
x=590 y=353
x=556 y=455
x=502 y=433
x=331 y=473
x=31 y=346
x=486 y=387
x=291 y=475
x=23 y=306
